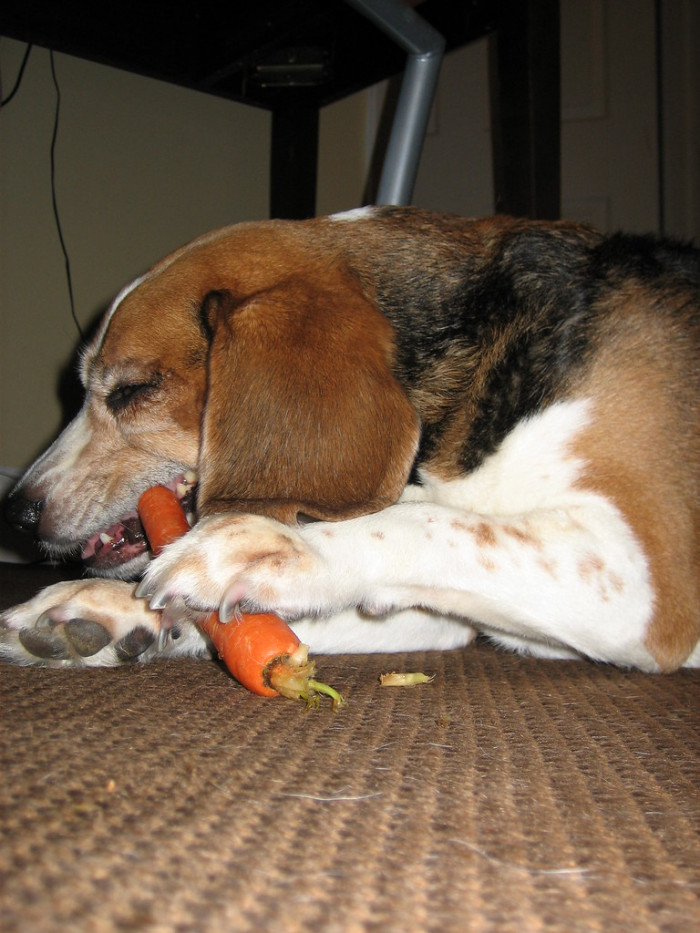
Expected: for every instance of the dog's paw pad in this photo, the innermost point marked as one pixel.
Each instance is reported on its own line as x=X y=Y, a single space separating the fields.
x=44 y=643
x=50 y=640
x=134 y=644
x=87 y=637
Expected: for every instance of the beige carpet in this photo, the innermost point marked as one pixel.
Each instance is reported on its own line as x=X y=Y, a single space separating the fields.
x=509 y=796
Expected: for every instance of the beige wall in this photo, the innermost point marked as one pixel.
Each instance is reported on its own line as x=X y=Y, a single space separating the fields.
x=455 y=172
x=609 y=120
x=681 y=125
x=341 y=158
x=141 y=167
x=609 y=114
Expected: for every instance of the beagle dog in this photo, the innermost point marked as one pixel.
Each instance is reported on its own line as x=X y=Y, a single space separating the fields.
x=397 y=429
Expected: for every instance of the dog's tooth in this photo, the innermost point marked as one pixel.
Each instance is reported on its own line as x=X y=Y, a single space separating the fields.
x=181 y=490
x=191 y=477
x=191 y=518
x=105 y=538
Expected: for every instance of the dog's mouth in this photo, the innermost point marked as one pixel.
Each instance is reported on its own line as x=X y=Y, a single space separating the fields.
x=125 y=540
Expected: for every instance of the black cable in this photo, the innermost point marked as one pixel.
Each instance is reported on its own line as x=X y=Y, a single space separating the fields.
x=14 y=90
x=53 y=197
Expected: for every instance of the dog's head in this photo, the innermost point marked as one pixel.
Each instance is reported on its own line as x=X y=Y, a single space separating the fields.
x=251 y=357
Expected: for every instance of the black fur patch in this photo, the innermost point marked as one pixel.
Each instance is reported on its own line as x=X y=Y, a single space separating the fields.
x=536 y=293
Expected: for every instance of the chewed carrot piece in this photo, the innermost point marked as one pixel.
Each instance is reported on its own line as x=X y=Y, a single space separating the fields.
x=405 y=679
x=260 y=650
x=257 y=649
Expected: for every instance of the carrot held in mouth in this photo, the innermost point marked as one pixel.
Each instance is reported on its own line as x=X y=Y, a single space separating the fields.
x=260 y=650
x=162 y=517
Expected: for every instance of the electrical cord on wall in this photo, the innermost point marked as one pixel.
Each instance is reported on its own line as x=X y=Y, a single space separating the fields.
x=56 y=215
x=4 y=103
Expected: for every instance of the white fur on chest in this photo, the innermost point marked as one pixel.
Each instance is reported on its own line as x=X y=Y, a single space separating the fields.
x=532 y=469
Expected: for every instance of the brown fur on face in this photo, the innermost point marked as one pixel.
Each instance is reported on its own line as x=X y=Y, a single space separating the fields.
x=216 y=346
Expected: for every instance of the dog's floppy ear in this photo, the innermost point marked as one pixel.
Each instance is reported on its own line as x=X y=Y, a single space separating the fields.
x=303 y=413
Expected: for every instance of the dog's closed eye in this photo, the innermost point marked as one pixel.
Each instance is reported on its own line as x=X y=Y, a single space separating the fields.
x=126 y=394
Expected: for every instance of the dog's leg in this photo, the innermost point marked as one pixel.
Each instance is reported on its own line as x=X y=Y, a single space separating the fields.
x=92 y=623
x=562 y=581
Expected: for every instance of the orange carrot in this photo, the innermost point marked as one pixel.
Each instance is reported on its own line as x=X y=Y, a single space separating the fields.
x=260 y=650
x=162 y=517
x=262 y=653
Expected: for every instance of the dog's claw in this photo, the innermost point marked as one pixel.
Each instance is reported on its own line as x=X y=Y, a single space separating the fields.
x=228 y=611
x=45 y=621
x=144 y=589
x=173 y=613
x=163 y=638
x=159 y=600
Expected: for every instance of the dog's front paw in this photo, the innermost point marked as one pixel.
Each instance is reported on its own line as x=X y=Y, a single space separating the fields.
x=90 y=623
x=228 y=561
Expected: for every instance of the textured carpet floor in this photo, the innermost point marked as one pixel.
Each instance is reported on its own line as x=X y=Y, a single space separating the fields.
x=508 y=796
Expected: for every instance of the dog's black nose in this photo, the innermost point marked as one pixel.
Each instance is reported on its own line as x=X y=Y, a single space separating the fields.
x=22 y=513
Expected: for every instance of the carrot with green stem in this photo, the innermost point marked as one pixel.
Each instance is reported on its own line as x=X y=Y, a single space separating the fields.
x=260 y=650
